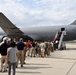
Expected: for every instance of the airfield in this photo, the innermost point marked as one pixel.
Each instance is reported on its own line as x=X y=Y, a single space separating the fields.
x=61 y=62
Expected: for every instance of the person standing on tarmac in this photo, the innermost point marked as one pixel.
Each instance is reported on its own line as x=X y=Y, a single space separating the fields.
x=33 y=52
x=4 y=47
x=21 y=46
x=28 y=44
x=12 y=58
x=42 y=46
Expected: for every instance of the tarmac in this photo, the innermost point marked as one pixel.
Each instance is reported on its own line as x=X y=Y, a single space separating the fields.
x=61 y=62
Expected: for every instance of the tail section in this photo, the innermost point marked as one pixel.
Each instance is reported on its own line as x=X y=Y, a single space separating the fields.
x=73 y=23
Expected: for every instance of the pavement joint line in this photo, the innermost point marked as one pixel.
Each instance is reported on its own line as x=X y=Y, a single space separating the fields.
x=71 y=68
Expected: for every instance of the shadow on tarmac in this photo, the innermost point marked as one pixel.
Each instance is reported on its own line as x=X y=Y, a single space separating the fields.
x=31 y=67
x=25 y=69
x=25 y=72
x=35 y=64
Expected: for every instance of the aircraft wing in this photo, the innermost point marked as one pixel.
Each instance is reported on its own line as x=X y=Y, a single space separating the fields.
x=8 y=27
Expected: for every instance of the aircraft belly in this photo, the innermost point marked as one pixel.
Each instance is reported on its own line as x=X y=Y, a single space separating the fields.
x=41 y=37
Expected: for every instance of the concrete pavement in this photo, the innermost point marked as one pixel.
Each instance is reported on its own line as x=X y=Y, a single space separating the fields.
x=59 y=63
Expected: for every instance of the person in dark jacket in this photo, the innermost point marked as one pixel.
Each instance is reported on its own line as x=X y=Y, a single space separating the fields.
x=4 y=47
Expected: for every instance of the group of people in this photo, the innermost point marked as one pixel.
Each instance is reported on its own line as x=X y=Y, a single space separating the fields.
x=13 y=52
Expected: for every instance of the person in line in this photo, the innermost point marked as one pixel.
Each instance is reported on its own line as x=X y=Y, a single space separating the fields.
x=12 y=58
x=3 y=48
x=42 y=46
x=33 y=52
x=28 y=44
x=20 y=47
x=25 y=50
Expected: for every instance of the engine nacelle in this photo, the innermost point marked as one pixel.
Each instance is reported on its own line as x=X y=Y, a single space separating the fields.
x=3 y=38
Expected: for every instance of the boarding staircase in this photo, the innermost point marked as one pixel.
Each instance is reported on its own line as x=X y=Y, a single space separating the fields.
x=61 y=43
x=59 y=38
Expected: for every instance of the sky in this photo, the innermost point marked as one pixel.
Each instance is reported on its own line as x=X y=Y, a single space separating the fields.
x=39 y=12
